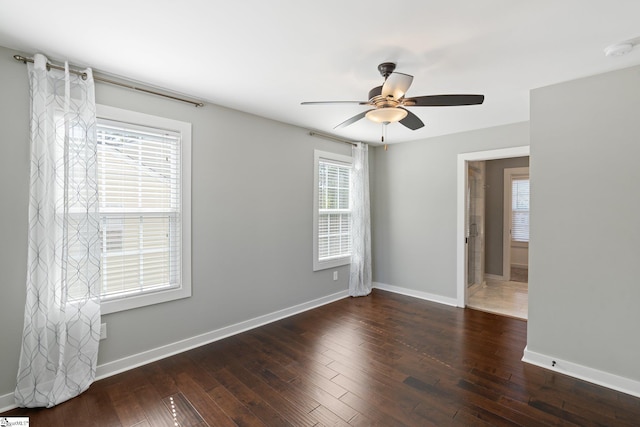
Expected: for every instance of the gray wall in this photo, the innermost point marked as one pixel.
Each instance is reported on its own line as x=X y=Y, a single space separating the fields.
x=494 y=211
x=414 y=210
x=14 y=194
x=584 y=250
x=252 y=236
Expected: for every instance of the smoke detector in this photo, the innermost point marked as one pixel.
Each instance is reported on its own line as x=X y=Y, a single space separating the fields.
x=618 y=49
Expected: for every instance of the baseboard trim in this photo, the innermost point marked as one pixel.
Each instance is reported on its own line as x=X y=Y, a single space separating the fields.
x=135 y=360
x=7 y=402
x=595 y=376
x=516 y=265
x=494 y=277
x=417 y=294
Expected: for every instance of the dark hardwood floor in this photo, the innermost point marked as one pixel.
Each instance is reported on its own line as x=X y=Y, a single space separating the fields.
x=385 y=360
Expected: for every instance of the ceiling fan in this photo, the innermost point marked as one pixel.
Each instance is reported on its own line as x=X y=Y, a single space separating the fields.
x=389 y=101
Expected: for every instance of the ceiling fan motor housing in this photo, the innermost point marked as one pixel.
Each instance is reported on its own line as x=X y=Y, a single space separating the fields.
x=376 y=99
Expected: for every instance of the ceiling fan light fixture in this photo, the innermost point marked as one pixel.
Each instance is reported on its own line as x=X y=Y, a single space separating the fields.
x=386 y=115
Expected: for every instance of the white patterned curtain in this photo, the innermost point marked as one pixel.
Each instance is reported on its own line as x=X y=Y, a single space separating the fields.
x=360 y=274
x=62 y=312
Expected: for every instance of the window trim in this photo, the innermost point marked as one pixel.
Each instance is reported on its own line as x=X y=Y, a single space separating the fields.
x=336 y=158
x=184 y=290
x=515 y=242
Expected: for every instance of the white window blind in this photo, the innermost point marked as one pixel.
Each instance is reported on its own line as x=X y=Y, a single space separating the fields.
x=334 y=213
x=140 y=209
x=520 y=209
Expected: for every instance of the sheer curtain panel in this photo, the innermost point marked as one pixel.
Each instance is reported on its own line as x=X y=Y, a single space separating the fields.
x=360 y=274
x=62 y=311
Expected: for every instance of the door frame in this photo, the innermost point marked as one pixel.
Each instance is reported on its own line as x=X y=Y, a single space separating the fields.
x=463 y=159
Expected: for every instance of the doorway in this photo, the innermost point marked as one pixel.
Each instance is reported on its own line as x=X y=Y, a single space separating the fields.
x=498 y=236
x=467 y=257
x=475 y=217
x=516 y=223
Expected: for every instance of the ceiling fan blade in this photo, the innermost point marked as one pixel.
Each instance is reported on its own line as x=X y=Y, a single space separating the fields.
x=444 y=100
x=396 y=85
x=333 y=102
x=352 y=120
x=412 y=121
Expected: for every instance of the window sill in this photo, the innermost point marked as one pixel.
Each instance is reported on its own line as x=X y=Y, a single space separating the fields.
x=333 y=263
x=129 y=302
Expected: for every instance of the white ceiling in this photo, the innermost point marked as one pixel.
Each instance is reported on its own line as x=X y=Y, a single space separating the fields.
x=265 y=57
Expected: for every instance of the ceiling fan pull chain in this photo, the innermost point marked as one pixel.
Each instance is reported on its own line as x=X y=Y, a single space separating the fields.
x=384 y=135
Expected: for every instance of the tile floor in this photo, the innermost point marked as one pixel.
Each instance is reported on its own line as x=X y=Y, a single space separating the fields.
x=505 y=298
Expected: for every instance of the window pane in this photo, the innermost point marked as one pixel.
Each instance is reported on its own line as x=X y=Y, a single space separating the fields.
x=139 y=189
x=334 y=217
x=520 y=194
x=520 y=210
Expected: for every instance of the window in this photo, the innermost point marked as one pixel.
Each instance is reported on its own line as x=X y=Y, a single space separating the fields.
x=332 y=213
x=144 y=203
x=520 y=209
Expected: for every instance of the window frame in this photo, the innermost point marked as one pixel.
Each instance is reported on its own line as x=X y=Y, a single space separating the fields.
x=333 y=158
x=184 y=129
x=514 y=240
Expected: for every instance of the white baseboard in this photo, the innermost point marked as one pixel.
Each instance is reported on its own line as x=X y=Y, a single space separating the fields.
x=7 y=402
x=494 y=277
x=595 y=376
x=133 y=361
x=126 y=363
x=513 y=264
x=417 y=294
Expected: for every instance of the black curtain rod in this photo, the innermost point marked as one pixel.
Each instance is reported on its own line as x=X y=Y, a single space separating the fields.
x=112 y=82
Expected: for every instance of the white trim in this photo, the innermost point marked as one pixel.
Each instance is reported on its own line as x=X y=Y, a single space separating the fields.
x=135 y=360
x=515 y=264
x=416 y=294
x=494 y=277
x=7 y=402
x=184 y=129
x=585 y=373
x=463 y=158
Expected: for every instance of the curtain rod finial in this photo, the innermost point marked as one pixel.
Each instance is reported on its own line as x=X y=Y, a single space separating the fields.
x=20 y=58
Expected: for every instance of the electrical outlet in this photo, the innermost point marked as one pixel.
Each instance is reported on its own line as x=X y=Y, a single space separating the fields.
x=103 y=331
x=335 y=275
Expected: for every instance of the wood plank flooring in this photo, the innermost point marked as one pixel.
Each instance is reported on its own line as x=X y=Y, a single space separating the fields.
x=382 y=360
